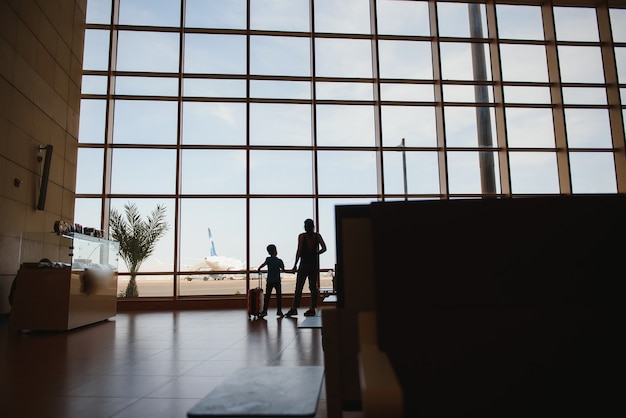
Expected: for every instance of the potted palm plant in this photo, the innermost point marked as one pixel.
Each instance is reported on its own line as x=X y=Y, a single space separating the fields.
x=137 y=238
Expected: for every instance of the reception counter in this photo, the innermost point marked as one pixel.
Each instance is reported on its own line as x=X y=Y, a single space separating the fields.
x=59 y=298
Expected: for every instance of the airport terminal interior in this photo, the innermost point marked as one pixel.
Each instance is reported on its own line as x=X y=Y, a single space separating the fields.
x=230 y=122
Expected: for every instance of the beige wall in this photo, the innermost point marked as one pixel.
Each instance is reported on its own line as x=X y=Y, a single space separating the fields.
x=41 y=54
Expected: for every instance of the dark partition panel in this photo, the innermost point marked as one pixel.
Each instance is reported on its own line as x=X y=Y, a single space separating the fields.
x=503 y=307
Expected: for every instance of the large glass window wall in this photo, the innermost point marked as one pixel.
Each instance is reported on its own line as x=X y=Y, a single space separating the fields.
x=245 y=117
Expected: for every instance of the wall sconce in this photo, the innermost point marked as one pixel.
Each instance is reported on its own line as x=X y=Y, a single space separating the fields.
x=43 y=188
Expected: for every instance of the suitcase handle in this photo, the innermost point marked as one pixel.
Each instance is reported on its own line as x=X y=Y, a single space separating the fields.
x=260 y=277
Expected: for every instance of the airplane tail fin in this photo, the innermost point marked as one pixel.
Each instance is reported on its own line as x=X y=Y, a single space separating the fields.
x=213 y=253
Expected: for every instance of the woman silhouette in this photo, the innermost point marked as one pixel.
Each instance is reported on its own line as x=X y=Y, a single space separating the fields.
x=310 y=246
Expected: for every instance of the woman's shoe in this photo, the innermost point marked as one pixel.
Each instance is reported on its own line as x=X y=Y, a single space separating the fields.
x=292 y=312
x=310 y=312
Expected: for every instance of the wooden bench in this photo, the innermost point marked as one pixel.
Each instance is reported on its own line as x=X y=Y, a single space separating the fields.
x=265 y=391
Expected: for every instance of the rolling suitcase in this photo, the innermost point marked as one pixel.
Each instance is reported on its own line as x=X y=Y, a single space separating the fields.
x=255 y=300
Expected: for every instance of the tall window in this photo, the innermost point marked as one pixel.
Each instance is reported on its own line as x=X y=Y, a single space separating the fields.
x=245 y=117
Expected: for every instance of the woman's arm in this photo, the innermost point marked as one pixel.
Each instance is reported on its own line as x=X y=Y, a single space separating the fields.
x=298 y=251
x=322 y=244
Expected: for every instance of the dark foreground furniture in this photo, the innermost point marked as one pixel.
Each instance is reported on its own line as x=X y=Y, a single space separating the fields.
x=503 y=308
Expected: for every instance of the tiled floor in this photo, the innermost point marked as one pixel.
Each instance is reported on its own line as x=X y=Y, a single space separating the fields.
x=155 y=365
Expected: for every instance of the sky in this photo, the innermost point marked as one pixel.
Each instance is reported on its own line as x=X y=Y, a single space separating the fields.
x=347 y=166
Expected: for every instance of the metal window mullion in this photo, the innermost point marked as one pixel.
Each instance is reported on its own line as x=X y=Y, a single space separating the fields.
x=439 y=114
x=109 y=114
x=314 y=149
x=483 y=113
x=378 y=129
x=616 y=118
x=248 y=203
x=179 y=153
x=556 y=92
x=498 y=93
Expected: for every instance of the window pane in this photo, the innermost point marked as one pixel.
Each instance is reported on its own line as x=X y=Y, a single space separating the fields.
x=454 y=19
x=281 y=228
x=277 y=55
x=215 y=54
x=147 y=86
x=533 y=172
x=422 y=172
x=224 y=14
x=462 y=126
x=94 y=84
x=581 y=64
x=150 y=12
x=327 y=228
x=529 y=128
x=407 y=92
x=463 y=172
x=524 y=63
x=88 y=212
x=280 y=124
x=145 y=122
x=89 y=170
x=346 y=16
x=99 y=11
x=457 y=62
x=576 y=24
x=214 y=123
x=618 y=24
x=280 y=89
x=162 y=258
x=347 y=172
x=92 y=121
x=213 y=171
x=588 y=128
x=227 y=239
x=344 y=91
x=467 y=94
x=345 y=125
x=195 y=87
x=96 y=51
x=519 y=22
x=147 y=51
x=527 y=94
x=416 y=124
x=620 y=60
x=143 y=171
x=343 y=58
x=403 y=18
x=584 y=95
x=278 y=172
x=593 y=172
x=155 y=285
x=284 y=15
x=405 y=59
